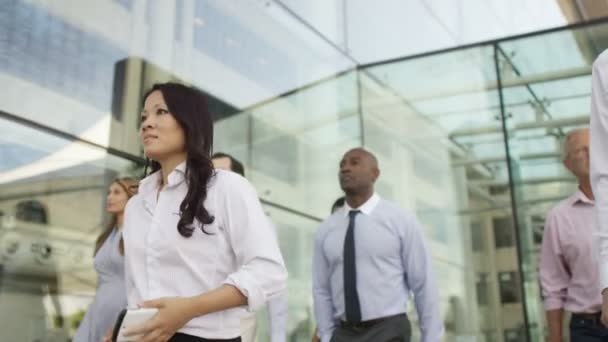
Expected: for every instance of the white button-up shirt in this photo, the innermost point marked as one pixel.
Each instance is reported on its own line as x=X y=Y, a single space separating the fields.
x=241 y=249
x=599 y=158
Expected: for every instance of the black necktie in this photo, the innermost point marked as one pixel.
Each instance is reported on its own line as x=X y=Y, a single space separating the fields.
x=351 y=298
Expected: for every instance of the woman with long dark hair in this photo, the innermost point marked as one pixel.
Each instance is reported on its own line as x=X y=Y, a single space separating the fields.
x=198 y=244
x=110 y=296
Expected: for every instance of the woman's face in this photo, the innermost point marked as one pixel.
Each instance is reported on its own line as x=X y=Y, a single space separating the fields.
x=160 y=134
x=117 y=199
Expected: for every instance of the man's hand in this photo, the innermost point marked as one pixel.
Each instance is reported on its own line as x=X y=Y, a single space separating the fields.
x=554 y=320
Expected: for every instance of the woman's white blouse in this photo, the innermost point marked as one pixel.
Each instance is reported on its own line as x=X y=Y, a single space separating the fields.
x=241 y=249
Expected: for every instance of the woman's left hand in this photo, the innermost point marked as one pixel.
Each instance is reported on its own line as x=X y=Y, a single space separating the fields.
x=173 y=314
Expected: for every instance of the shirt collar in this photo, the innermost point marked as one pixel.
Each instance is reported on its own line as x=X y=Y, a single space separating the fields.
x=151 y=182
x=366 y=208
x=148 y=187
x=580 y=197
x=178 y=175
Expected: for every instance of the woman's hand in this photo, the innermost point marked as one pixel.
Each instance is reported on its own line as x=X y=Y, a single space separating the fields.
x=108 y=336
x=173 y=314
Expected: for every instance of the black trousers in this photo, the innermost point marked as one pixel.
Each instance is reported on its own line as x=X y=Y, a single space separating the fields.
x=587 y=329
x=391 y=329
x=179 y=337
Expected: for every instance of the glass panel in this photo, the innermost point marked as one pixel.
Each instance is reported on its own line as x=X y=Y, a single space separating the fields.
x=88 y=76
x=326 y=17
x=282 y=99
x=292 y=145
x=385 y=30
x=52 y=207
x=434 y=123
x=296 y=238
x=547 y=91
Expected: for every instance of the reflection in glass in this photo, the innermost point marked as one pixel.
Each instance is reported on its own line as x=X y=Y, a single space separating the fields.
x=52 y=198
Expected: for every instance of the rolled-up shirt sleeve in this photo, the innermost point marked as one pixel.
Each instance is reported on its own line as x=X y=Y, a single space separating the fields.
x=554 y=275
x=599 y=159
x=262 y=274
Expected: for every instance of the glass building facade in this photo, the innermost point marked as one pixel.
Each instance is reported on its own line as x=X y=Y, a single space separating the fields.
x=467 y=137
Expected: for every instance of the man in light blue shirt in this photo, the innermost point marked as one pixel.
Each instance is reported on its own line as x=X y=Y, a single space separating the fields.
x=368 y=257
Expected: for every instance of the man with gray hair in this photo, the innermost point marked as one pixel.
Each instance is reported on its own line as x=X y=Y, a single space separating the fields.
x=568 y=266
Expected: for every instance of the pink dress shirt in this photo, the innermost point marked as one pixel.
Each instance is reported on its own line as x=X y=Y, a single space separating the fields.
x=569 y=266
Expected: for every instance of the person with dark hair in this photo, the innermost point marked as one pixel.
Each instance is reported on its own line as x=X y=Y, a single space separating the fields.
x=110 y=296
x=227 y=162
x=198 y=245
x=339 y=203
x=278 y=306
x=368 y=256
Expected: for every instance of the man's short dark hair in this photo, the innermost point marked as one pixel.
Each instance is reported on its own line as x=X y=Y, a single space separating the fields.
x=235 y=165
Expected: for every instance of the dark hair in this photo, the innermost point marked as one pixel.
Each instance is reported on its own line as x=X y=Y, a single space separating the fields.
x=235 y=165
x=129 y=185
x=189 y=108
x=339 y=203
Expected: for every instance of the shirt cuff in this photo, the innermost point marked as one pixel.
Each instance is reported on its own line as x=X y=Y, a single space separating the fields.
x=553 y=304
x=249 y=288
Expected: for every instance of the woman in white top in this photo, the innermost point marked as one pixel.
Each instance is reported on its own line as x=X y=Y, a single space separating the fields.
x=198 y=245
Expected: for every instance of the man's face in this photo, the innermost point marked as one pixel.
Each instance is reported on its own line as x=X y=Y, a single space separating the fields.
x=223 y=163
x=577 y=158
x=358 y=171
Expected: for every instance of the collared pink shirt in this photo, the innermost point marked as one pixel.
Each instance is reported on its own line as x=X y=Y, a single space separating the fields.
x=569 y=266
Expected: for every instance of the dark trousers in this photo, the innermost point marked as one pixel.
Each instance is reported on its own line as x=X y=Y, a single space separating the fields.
x=179 y=337
x=391 y=329
x=587 y=328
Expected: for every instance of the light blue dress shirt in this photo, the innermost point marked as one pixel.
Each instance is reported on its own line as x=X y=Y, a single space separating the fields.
x=391 y=260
